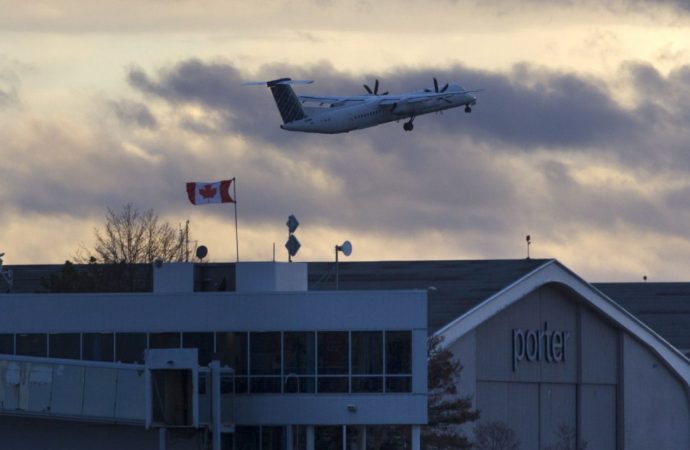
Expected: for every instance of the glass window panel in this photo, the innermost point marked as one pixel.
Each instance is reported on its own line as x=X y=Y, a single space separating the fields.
x=293 y=384
x=130 y=347
x=272 y=438
x=241 y=385
x=7 y=344
x=333 y=352
x=367 y=384
x=32 y=344
x=333 y=385
x=164 y=340
x=65 y=345
x=263 y=385
x=247 y=438
x=398 y=352
x=330 y=437
x=97 y=346
x=201 y=341
x=398 y=384
x=231 y=349
x=265 y=353
x=367 y=352
x=300 y=353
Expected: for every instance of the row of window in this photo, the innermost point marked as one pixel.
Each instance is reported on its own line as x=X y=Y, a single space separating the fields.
x=287 y=362
x=325 y=437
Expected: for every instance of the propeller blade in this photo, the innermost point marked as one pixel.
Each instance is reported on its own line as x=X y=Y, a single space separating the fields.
x=376 y=87
x=444 y=88
x=368 y=89
x=385 y=93
x=435 y=84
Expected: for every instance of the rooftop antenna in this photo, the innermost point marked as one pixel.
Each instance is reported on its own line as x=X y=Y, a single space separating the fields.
x=292 y=245
x=346 y=248
x=528 y=238
x=6 y=274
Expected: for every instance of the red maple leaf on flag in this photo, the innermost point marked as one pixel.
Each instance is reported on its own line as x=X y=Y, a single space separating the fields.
x=208 y=191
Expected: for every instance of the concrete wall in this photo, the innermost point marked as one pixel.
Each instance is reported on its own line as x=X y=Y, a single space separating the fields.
x=18 y=433
x=600 y=384
x=655 y=404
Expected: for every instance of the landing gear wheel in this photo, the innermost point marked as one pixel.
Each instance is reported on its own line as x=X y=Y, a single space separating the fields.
x=468 y=109
x=407 y=126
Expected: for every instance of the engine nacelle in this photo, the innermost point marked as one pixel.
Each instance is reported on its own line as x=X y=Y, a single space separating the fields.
x=404 y=109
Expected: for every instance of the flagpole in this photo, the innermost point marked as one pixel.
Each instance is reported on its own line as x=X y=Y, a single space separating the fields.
x=237 y=237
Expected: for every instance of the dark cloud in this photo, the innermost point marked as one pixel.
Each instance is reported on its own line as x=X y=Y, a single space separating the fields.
x=134 y=113
x=507 y=166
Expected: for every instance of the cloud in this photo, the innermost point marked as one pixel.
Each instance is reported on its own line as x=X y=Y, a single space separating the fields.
x=9 y=82
x=545 y=152
x=134 y=113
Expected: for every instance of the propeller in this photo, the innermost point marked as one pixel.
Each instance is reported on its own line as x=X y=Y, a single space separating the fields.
x=375 y=91
x=443 y=89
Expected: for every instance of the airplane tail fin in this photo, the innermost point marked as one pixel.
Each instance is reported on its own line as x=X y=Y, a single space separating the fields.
x=288 y=104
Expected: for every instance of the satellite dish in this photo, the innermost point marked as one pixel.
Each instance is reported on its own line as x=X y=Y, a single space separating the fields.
x=201 y=252
x=346 y=248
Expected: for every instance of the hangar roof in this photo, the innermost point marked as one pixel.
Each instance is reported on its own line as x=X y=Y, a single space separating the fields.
x=454 y=287
x=664 y=307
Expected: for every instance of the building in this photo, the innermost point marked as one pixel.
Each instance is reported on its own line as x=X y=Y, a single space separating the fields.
x=270 y=365
x=545 y=353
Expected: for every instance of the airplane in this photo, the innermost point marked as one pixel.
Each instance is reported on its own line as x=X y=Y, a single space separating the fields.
x=341 y=114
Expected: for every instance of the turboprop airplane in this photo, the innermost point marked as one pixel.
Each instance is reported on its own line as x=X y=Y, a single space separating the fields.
x=340 y=114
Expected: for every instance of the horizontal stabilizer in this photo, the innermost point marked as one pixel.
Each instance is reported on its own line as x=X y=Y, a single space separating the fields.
x=277 y=82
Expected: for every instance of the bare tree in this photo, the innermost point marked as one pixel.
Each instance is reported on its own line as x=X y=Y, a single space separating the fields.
x=495 y=436
x=131 y=236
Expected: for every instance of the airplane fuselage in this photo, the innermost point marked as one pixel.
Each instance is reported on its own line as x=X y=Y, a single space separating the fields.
x=369 y=112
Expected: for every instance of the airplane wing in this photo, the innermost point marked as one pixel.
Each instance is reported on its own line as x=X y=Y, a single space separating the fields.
x=335 y=100
x=416 y=98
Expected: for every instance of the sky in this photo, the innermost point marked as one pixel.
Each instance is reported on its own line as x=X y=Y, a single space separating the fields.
x=580 y=139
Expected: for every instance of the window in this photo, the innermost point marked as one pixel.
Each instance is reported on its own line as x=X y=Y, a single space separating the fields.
x=367 y=361
x=231 y=349
x=398 y=361
x=65 y=345
x=7 y=344
x=97 y=346
x=164 y=340
x=300 y=360
x=201 y=341
x=130 y=347
x=265 y=362
x=333 y=358
x=32 y=344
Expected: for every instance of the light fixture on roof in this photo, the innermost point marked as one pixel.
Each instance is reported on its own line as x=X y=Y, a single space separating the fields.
x=346 y=248
x=528 y=238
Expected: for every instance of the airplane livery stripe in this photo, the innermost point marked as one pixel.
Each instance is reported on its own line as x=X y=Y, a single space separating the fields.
x=288 y=104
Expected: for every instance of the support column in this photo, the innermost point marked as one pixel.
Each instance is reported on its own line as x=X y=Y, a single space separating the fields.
x=362 y=437
x=310 y=437
x=416 y=437
x=161 y=439
x=215 y=404
x=289 y=438
x=344 y=437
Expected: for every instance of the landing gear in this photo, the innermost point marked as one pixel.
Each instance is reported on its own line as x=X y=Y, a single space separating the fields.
x=408 y=126
x=468 y=109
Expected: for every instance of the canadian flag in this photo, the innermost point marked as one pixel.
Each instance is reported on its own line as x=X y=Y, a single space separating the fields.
x=215 y=192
